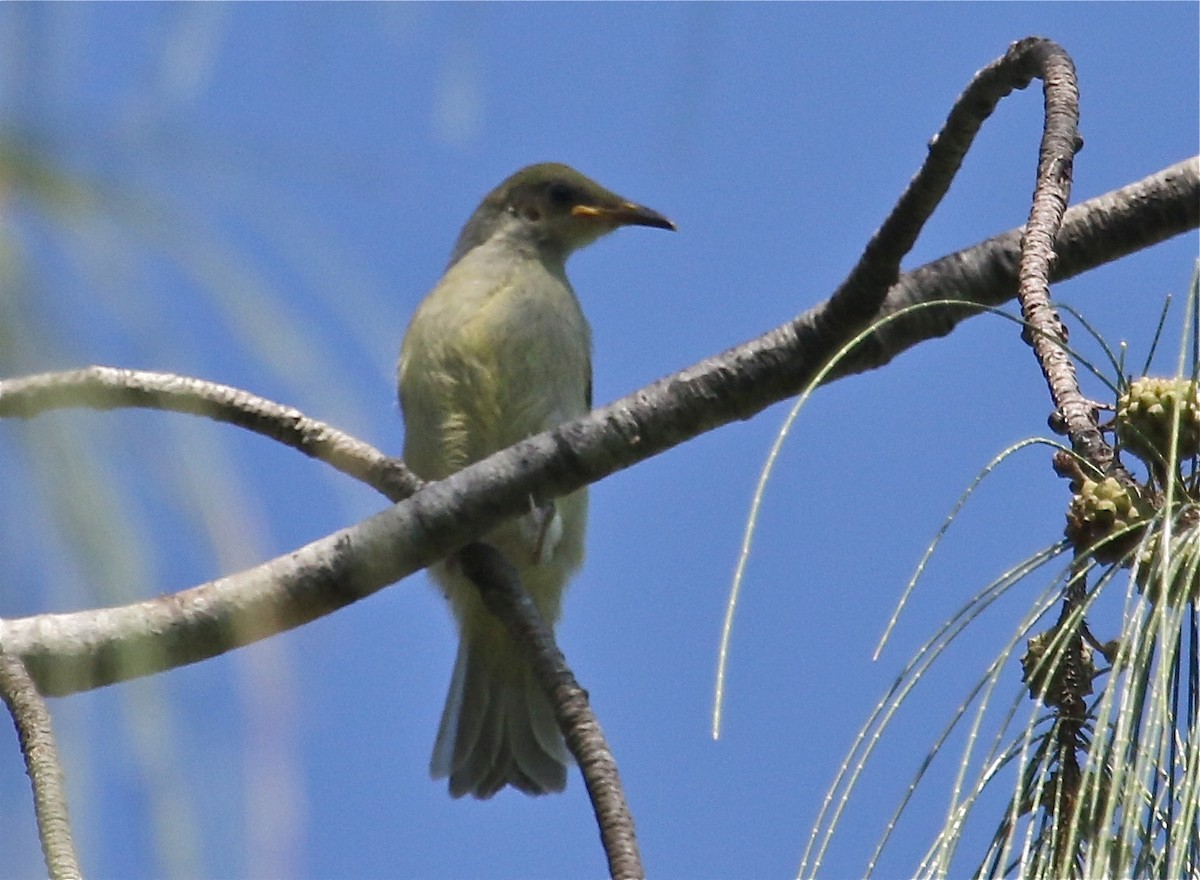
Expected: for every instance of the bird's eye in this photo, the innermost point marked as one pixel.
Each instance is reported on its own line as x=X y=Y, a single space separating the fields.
x=561 y=195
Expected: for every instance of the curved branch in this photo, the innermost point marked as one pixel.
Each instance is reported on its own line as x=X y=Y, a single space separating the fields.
x=858 y=299
x=112 y=388
x=36 y=735
x=1044 y=330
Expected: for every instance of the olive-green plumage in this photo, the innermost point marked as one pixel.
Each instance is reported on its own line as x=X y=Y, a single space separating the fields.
x=499 y=351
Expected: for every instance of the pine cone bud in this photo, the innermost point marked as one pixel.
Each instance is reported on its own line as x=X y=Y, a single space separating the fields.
x=1100 y=518
x=1145 y=413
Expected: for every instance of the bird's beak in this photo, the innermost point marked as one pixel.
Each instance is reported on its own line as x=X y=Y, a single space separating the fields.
x=623 y=214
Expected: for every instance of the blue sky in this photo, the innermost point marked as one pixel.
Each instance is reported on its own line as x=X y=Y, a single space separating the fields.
x=276 y=187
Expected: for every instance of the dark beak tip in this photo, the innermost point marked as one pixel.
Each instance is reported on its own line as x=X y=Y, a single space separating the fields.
x=656 y=221
x=633 y=214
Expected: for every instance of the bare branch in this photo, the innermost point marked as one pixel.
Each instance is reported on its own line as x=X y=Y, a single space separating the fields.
x=504 y=596
x=112 y=388
x=1044 y=330
x=36 y=735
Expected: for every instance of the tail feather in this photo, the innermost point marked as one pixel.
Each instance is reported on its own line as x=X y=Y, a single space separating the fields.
x=537 y=746
x=497 y=727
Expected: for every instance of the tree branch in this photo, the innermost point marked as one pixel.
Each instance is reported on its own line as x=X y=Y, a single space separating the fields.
x=36 y=735
x=504 y=596
x=111 y=388
x=1044 y=330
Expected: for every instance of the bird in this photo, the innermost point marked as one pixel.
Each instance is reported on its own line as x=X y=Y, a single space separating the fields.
x=498 y=351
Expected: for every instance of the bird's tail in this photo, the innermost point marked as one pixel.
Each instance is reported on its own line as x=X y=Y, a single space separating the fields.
x=498 y=726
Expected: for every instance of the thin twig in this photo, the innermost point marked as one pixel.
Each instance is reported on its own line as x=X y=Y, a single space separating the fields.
x=500 y=588
x=36 y=735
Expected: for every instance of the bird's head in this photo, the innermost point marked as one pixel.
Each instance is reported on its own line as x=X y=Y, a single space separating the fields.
x=554 y=208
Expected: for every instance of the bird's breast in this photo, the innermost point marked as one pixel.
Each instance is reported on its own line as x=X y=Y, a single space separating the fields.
x=499 y=351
